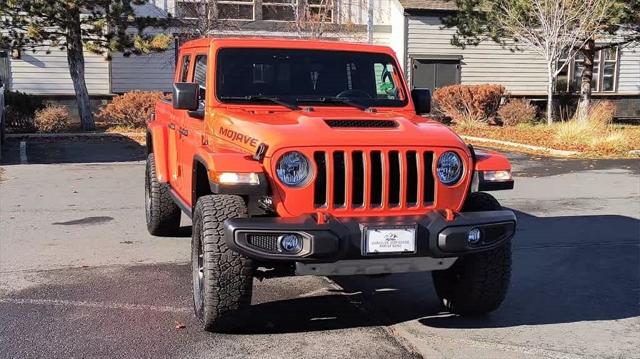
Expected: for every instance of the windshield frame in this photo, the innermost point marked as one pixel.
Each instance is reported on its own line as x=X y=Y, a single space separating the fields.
x=398 y=78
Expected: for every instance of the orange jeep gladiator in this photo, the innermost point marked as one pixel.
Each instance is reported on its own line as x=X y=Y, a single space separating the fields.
x=301 y=157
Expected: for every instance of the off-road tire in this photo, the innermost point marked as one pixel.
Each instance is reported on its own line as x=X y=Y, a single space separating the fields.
x=222 y=278
x=476 y=284
x=161 y=212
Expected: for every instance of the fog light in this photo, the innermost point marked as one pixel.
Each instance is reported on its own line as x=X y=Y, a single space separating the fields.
x=473 y=237
x=290 y=243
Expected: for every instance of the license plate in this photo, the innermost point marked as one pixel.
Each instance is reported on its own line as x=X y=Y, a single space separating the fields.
x=390 y=240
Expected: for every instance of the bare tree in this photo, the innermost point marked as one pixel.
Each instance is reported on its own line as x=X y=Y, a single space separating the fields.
x=311 y=17
x=199 y=18
x=554 y=29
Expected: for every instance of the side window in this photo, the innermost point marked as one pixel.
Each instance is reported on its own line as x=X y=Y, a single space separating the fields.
x=200 y=75
x=184 y=69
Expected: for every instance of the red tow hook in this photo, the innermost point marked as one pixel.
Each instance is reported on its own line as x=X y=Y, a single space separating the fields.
x=321 y=218
x=449 y=215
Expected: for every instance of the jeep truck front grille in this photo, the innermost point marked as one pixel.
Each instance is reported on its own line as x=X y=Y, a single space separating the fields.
x=359 y=179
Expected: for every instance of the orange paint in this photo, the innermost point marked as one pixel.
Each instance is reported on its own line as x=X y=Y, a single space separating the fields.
x=227 y=138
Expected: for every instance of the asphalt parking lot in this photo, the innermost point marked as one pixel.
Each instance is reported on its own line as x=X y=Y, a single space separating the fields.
x=80 y=276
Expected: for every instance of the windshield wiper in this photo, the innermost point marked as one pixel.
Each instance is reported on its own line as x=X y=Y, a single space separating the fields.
x=252 y=98
x=341 y=100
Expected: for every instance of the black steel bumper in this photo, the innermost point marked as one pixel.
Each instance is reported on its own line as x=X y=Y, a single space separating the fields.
x=342 y=239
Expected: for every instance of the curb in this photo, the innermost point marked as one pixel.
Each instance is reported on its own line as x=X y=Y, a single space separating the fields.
x=73 y=134
x=561 y=153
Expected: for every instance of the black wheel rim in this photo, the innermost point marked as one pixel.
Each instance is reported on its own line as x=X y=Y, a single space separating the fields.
x=147 y=196
x=197 y=265
x=201 y=270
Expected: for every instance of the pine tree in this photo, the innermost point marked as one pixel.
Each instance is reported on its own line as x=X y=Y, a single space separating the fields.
x=98 y=26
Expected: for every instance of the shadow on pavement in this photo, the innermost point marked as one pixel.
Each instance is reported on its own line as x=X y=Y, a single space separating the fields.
x=565 y=269
x=114 y=148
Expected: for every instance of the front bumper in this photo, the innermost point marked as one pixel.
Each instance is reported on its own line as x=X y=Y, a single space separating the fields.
x=339 y=241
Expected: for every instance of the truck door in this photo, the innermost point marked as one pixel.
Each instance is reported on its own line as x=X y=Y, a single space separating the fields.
x=191 y=131
x=175 y=122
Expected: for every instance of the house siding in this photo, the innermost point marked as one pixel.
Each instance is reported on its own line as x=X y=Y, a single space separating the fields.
x=153 y=72
x=521 y=72
x=48 y=74
x=629 y=70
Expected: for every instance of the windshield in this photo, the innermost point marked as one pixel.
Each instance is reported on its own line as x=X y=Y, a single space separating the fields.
x=337 y=78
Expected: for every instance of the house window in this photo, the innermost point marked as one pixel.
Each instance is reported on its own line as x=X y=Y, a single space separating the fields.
x=279 y=10
x=609 y=69
x=605 y=72
x=271 y=10
x=321 y=9
x=227 y=9
x=188 y=10
x=236 y=9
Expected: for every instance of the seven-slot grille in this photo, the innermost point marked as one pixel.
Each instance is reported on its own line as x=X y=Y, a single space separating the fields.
x=373 y=179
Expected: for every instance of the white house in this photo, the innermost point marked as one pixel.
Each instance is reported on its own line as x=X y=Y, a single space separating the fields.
x=47 y=74
x=413 y=28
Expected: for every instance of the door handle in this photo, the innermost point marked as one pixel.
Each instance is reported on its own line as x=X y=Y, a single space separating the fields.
x=184 y=132
x=172 y=126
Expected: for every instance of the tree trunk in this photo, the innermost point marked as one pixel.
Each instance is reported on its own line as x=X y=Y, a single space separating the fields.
x=549 y=94
x=589 y=54
x=75 y=58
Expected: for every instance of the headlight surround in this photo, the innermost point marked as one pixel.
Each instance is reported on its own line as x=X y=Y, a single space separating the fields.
x=293 y=169
x=449 y=168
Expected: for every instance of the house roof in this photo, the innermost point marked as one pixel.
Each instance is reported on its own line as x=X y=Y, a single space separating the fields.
x=428 y=4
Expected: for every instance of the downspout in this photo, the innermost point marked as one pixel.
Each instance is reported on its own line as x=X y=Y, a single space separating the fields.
x=406 y=61
x=370 y=21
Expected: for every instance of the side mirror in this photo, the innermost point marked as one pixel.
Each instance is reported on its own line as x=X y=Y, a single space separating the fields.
x=421 y=100
x=185 y=96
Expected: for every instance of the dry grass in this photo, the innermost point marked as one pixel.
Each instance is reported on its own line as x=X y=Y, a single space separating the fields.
x=612 y=141
x=594 y=137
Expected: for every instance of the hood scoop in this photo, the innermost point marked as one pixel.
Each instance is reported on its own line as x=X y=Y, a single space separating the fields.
x=362 y=123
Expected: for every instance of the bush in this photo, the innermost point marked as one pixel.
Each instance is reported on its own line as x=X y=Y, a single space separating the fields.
x=20 y=110
x=130 y=110
x=469 y=104
x=53 y=118
x=517 y=111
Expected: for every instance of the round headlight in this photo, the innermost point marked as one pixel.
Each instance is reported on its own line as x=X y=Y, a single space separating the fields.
x=449 y=168
x=293 y=169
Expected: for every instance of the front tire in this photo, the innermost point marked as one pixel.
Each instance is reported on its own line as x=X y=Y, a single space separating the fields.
x=161 y=212
x=222 y=278
x=477 y=283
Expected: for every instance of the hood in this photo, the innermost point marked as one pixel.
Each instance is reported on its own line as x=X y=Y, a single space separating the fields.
x=327 y=128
